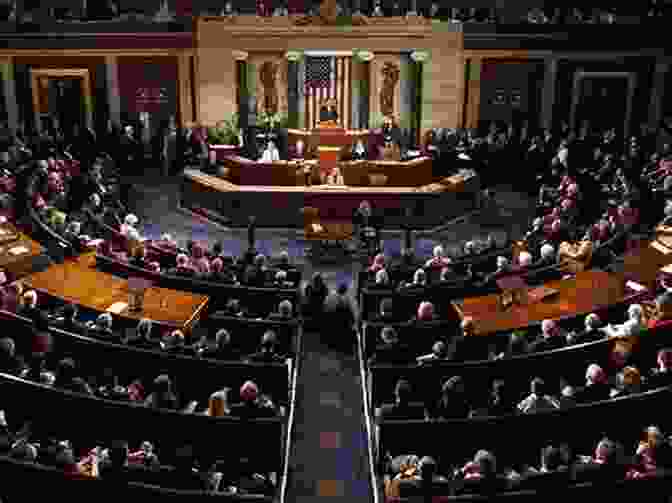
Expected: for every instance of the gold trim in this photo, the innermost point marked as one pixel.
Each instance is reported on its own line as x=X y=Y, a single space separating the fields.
x=330 y=149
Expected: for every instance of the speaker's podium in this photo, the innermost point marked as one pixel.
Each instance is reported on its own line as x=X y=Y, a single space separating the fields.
x=331 y=139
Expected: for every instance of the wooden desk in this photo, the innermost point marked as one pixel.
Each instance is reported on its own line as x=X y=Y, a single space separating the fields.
x=331 y=231
x=586 y=293
x=77 y=281
x=20 y=264
x=642 y=263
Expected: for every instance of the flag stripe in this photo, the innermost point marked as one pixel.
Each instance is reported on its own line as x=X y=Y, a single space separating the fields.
x=328 y=77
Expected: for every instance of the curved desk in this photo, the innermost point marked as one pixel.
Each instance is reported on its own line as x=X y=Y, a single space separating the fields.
x=280 y=205
x=77 y=281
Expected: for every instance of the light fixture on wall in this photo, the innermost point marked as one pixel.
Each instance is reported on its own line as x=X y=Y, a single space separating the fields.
x=365 y=55
x=293 y=55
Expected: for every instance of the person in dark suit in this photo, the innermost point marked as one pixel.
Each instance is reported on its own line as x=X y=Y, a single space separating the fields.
x=68 y=320
x=662 y=374
x=591 y=332
x=10 y=362
x=117 y=469
x=252 y=405
x=554 y=471
x=597 y=386
x=391 y=350
x=217 y=346
x=328 y=111
x=268 y=352
x=182 y=475
x=453 y=403
x=464 y=346
x=606 y=466
x=551 y=338
x=403 y=408
x=488 y=482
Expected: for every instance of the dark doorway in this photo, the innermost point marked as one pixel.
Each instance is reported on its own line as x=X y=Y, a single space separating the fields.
x=603 y=101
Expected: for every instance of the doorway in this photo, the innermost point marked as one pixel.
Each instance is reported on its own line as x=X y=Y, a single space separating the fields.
x=61 y=99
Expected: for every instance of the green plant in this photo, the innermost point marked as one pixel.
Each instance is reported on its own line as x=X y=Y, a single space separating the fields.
x=277 y=120
x=376 y=120
x=225 y=132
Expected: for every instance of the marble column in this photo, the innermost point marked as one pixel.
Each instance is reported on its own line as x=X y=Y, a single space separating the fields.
x=9 y=94
x=548 y=93
x=301 y=93
x=112 y=88
x=251 y=93
x=407 y=92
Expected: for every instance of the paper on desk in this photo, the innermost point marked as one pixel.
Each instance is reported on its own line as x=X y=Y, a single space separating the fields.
x=18 y=250
x=667 y=269
x=117 y=307
x=317 y=228
x=94 y=242
x=660 y=247
x=635 y=286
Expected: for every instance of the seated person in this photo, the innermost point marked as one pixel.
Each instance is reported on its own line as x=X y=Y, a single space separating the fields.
x=217 y=346
x=403 y=408
x=502 y=400
x=661 y=375
x=73 y=233
x=592 y=331
x=425 y=313
x=386 y=313
x=378 y=263
x=162 y=395
x=628 y=382
x=199 y=260
x=439 y=260
x=439 y=353
x=128 y=228
x=116 y=466
x=183 y=267
x=234 y=309
x=68 y=320
x=663 y=312
x=547 y=256
x=576 y=256
x=597 y=386
x=538 y=399
x=138 y=257
x=419 y=282
x=102 y=327
x=454 y=403
x=173 y=342
x=605 y=466
x=554 y=470
x=221 y=274
x=552 y=337
x=281 y=280
x=465 y=346
x=284 y=263
x=143 y=336
x=524 y=259
x=517 y=346
x=285 y=311
x=481 y=477
x=28 y=307
x=391 y=350
x=268 y=351
x=257 y=275
x=271 y=153
x=503 y=268
x=10 y=362
x=653 y=456
x=382 y=281
x=68 y=378
x=253 y=404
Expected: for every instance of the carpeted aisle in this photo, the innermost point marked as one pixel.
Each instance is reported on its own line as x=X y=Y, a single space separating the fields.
x=329 y=455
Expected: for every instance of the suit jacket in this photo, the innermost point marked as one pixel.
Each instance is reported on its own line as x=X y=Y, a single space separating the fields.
x=593 y=393
x=411 y=410
x=128 y=473
x=266 y=357
x=247 y=410
x=486 y=486
x=546 y=344
x=397 y=353
x=597 y=473
x=659 y=380
x=544 y=480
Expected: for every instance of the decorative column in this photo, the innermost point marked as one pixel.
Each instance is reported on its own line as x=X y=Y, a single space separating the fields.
x=301 y=93
x=473 y=94
x=294 y=84
x=548 y=93
x=406 y=92
x=658 y=93
x=360 y=88
x=9 y=93
x=251 y=92
x=184 y=88
x=112 y=87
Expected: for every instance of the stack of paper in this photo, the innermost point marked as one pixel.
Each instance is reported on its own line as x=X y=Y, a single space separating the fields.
x=117 y=307
x=18 y=250
x=317 y=228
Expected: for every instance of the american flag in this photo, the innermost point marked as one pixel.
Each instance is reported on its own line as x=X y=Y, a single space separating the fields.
x=328 y=77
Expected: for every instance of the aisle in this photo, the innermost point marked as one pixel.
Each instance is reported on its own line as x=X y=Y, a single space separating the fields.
x=329 y=456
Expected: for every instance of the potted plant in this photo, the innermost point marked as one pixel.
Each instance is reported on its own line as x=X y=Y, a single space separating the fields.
x=223 y=139
x=274 y=121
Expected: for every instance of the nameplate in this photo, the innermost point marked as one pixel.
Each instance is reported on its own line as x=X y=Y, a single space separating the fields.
x=660 y=248
x=18 y=250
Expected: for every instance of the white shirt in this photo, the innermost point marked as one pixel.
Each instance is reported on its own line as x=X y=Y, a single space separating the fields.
x=270 y=155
